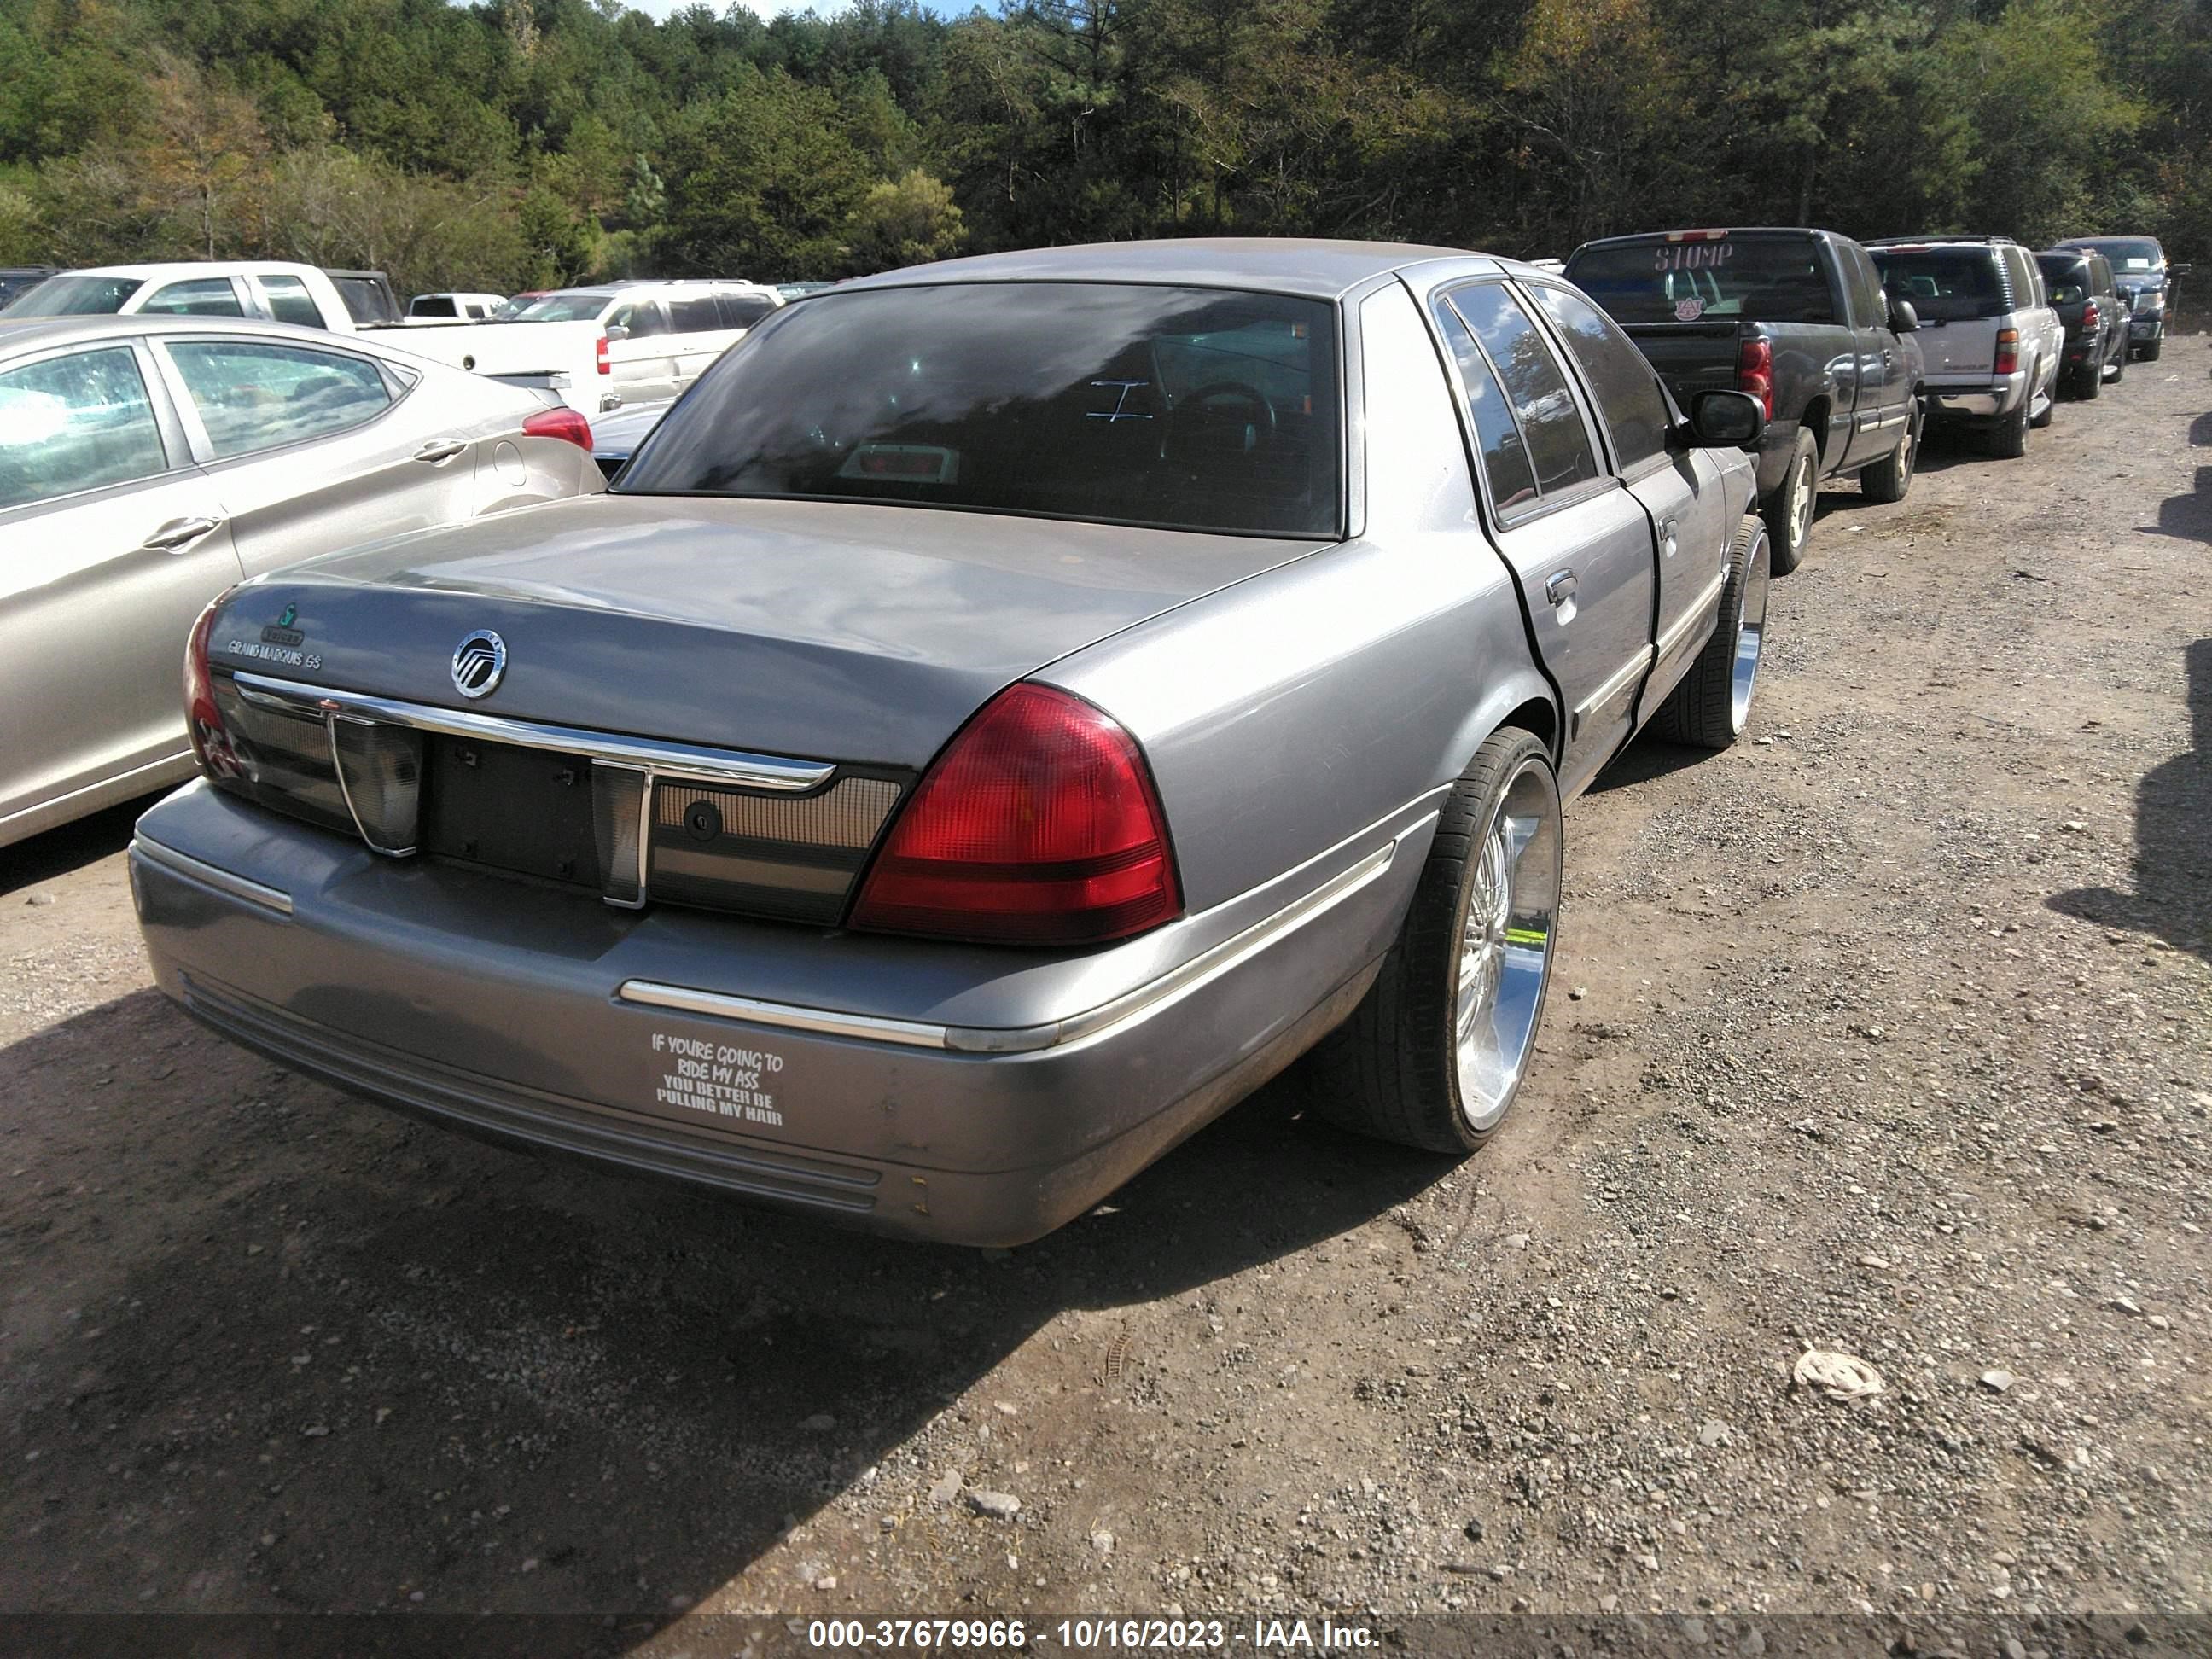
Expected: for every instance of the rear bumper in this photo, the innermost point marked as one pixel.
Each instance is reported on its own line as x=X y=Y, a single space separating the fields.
x=972 y=1110
x=1988 y=397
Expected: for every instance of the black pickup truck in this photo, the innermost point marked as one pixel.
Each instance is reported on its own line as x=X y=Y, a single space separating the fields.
x=1798 y=319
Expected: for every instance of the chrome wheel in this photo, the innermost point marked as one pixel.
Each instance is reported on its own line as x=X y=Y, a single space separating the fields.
x=1800 y=504
x=1751 y=628
x=1506 y=935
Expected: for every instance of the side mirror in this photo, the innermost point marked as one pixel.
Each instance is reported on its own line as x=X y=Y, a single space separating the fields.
x=616 y=333
x=1726 y=420
x=1903 y=318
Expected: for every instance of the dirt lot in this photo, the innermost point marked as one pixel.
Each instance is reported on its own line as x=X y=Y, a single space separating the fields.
x=1890 y=1032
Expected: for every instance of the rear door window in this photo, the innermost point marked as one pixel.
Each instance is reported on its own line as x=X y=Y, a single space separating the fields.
x=257 y=395
x=695 y=313
x=74 y=423
x=1626 y=389
x=211 y=296
x=642 y=318
x=1497 y=435
x=743 y=310
x=289 y=300
x=1536 y=384
x=1775 y=279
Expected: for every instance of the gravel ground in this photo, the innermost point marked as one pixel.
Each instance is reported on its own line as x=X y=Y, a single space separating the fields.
x=1886 y=1034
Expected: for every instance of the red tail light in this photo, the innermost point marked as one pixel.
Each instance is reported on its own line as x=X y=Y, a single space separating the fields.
x=210 y=742
x=1038 y=824
x=2090 y=315
x=605 y=367
x=564 y=424
x=2007 y=350
x=1754 y=371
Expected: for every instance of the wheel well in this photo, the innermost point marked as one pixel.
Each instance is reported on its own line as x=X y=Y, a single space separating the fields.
x=1539 y=717
x=1816 y=422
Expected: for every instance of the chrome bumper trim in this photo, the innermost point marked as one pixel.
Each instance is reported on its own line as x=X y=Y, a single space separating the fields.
x=680 y=760
x=208 y=875
x=1170 y=987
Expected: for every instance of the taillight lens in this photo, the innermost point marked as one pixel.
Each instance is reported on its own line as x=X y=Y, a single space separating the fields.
x=1038 y=824
x=563 y=423
x=1754 y=371
x=605 y=367
x=211 y=745
x=2007 y=350
x=2090 y=314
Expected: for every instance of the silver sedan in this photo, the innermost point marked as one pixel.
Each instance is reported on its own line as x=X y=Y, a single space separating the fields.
x=148 y=464
x=1002 y=716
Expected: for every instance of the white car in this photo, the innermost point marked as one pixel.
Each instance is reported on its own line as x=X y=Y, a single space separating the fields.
x=660 y=335
x=452 y=307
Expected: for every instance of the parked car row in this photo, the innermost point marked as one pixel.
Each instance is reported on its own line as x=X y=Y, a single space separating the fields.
x=1853 y=350
x=595 y=348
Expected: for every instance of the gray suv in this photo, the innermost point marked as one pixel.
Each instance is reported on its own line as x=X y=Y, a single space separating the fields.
x=1992 y=341
x=2146 y=281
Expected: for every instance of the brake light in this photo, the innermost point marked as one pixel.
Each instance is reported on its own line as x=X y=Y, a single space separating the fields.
x=564 y=424
x=605 y=367
x=1754 y=371
x=1037 y=824
x=2090 y=314
x=2007 y=350
x=1695 y=235
x=211 y=745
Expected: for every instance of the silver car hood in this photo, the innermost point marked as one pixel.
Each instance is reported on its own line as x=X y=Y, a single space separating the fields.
x=830 y=629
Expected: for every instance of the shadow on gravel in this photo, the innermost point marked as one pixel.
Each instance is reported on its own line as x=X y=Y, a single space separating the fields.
x=1646 y=758
x=72 y=847
x=2173 y=862
x=273 y=1350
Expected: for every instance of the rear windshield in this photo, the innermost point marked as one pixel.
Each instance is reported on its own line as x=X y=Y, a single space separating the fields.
x=1186 y=408
x=1768 y=279
x=76 y=296
x=364 y=299
x=2066 y=275
x=1946 y=285
x=558 y=308
x=2126 y=252
x=434 y=305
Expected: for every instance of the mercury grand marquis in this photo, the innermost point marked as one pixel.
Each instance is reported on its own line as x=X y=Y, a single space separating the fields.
x=1004 y=715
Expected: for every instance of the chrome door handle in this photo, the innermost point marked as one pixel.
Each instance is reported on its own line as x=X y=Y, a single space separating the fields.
x=179 y=534
x=1559 y=588
x=441 y=449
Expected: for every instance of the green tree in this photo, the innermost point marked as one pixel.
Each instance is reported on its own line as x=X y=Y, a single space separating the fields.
x=906 y=222
x=761 y=183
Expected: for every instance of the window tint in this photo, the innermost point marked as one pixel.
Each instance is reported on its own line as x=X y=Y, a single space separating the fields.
x=1627 y=391
x=289 y=300
x=1551 y=421
x=743 y=310
x=257 y=395
x=2066 y=277
x=1131 y=404
x=433 y=305
x=365 y=298
x=1865 y=283
x=1504 y=459
x=583 y=307
x=76 y=422
x=1945 y=285
x=1775 y=279
x=695 y=313
x=211 y=296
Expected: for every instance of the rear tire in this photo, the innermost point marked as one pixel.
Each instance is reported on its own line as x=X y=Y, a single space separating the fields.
x=1788 y=511
x=2090 y=385
x=2120 y=367
x=2009 y=437
x=1888 y=478
x=2150 y=352
x=1436 y=1052
x=1712 y=705
x=2050 y=407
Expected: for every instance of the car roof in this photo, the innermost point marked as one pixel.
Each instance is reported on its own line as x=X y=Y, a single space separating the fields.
x=1692 y=233
x=1896 y=244
x=2100 y=243
x=22 y=334
x=1313 y=268
x=173 y=268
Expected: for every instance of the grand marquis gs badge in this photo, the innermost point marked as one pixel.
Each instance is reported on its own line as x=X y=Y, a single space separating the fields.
x=479 y=662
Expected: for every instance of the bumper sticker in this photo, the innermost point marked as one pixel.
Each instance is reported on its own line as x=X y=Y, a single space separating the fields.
x=721 y=1079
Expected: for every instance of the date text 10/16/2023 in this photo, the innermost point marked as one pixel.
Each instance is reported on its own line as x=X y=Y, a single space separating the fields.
x=1091 y=1635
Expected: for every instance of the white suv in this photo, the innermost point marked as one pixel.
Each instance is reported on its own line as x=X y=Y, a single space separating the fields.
x=660 y=337
x=1991 y=343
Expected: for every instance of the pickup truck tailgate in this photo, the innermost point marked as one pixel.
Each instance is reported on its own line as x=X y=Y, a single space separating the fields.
x=1691 y=357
